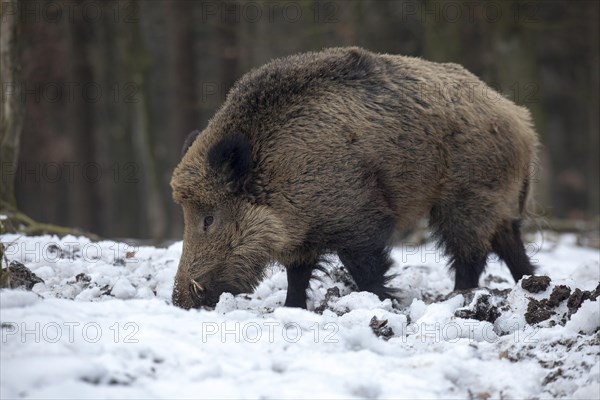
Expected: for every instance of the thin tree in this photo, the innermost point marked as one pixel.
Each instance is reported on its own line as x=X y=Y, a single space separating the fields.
x=12 y=109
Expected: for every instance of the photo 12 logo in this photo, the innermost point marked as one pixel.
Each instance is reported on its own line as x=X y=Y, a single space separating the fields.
x=270 y=331
x=71 y=172
x=71 y=332
x=52 y=252
x=269 y=11
x=469 y=12
x=70 y=11
x=71 y=92
x=470 y=330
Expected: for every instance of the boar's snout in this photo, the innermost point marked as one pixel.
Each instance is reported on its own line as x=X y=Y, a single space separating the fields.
x=190 y=293
x=193 y=295
x=182 y=296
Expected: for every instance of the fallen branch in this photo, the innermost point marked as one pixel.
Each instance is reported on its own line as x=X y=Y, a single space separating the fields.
x=19 y=222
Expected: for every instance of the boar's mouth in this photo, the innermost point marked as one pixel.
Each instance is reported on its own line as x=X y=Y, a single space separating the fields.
x=208 y=296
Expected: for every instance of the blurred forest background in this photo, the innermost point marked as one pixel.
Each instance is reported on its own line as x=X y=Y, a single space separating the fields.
x=110 y=89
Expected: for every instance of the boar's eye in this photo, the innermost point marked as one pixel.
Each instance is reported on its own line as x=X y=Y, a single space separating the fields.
x=208 y=220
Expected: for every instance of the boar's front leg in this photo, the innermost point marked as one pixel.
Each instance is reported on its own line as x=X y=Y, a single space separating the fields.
x=298 y=277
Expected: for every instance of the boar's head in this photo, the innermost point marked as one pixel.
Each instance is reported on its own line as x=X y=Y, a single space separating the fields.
x=229 y=237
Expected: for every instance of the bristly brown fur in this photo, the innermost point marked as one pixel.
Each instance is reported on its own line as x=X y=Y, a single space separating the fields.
x=344 y=147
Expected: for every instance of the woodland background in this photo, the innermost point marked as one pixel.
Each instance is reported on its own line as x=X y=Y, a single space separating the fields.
x=109 y=89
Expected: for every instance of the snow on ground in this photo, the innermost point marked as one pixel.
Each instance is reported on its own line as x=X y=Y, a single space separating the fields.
x=102 y=326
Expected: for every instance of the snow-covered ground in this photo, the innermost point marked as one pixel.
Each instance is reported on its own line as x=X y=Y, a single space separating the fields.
x=102 y=326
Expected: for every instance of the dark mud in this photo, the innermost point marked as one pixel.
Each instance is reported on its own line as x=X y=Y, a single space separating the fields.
x=536 y=284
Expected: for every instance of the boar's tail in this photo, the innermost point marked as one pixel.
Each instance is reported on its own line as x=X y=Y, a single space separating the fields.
x=524 y=195
x=527 y=212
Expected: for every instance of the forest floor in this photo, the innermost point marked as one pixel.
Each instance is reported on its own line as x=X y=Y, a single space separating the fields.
x=101 y=325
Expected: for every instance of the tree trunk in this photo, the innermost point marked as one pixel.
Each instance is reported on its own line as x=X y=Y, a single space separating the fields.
x=138 y=62
x=594 y=124
x=11 y=114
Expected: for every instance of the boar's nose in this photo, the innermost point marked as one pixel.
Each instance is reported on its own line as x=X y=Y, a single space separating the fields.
x=197 y=292
x=182 y=297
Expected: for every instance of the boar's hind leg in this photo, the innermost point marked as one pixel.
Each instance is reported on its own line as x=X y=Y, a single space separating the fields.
x=368 y=268
x=468 y=270
x=465 y=231
x=298 y=277
x=507 y=244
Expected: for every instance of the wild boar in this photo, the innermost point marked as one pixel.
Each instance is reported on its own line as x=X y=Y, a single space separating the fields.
x=335 y=151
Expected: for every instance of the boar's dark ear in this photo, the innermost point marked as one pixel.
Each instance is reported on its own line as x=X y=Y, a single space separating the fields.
x=232 y=158
x=191 y=137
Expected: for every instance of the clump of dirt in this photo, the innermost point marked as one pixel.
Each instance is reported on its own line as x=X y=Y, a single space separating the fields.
x=332 y=292
x=536 y=284
x=579 y=296
x=479 y=395
x=553 y=376
x=69 y=253
x=119 y=262
x=483 y=310
x=559 y=294
x=83 y=278
x=106 y=290
x=430 y=298
x=541 y=310
x=380 y=328
x=340 y=274
x=19 y=275
x=538 y=311
x=500 y=295
x=596 y=292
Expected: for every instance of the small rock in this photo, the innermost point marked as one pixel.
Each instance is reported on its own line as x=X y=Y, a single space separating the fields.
x=380 y=328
